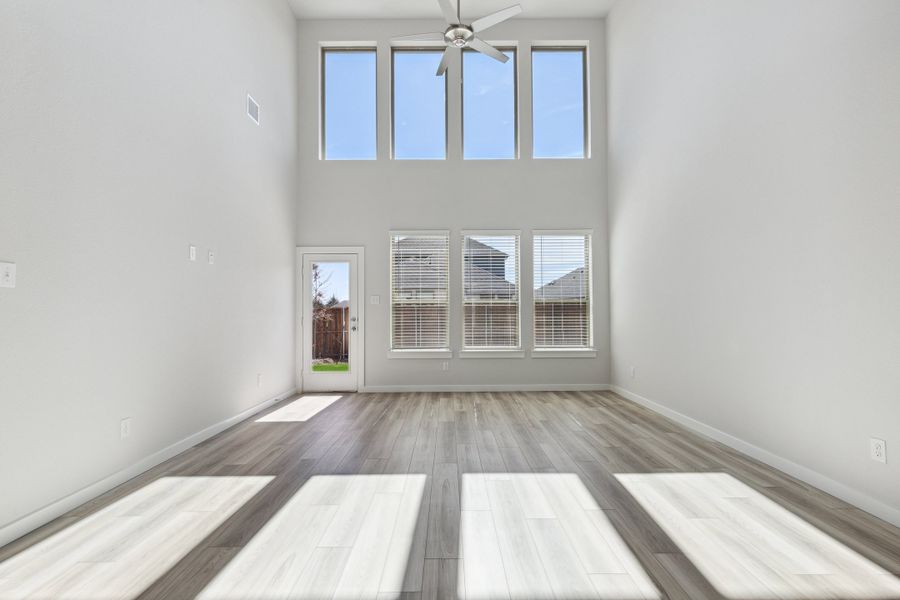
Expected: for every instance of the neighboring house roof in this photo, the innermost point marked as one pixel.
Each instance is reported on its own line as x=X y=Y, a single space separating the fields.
x=482 y=283
x=571 y=286
x=415 y=273
x=483 y=249
x=420 y=246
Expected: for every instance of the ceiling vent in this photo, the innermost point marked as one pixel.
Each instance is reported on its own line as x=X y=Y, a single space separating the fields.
x=252 y=109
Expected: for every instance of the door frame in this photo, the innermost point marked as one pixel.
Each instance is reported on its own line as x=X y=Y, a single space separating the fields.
x=299 y=350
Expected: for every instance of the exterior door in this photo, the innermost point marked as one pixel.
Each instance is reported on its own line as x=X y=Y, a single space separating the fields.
x=330 y=321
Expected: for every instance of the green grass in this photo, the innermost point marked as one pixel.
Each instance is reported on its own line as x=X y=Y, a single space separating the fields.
x=331 y=368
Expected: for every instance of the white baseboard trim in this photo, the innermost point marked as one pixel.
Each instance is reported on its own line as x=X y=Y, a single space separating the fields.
x=518 y=387
x=814 y=478
x=16 y=529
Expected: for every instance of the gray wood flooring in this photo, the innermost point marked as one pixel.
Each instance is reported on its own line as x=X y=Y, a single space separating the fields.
x=460 y=496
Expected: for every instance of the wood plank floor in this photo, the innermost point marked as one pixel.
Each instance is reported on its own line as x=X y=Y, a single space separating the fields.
x=459 y=496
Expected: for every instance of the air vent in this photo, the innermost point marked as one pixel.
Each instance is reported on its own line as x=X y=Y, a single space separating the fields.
x=252 y=109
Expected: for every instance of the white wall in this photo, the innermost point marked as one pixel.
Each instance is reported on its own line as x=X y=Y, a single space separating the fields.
x=123 y=139
x=358 y=203
x=755 y=225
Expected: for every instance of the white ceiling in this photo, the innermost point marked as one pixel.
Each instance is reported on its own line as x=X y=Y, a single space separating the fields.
x=424 y=9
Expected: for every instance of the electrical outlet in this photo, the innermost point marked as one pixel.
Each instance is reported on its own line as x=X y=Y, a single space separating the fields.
x=259 y=380
x=877 y=450
x=445 y=366
x=212 y=257
x=125 y=428
x=7 y=275
x=633 y=372
x=192 y=253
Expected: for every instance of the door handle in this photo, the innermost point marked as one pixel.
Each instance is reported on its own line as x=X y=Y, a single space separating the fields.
x=353 y=328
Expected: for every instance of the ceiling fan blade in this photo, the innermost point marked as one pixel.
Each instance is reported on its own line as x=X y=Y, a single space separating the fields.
x=420 y=37
x=449 y=13
x=487 y=49
x=495 y=18
x=445 y=62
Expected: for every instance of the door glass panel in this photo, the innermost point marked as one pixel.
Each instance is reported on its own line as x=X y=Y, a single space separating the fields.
x=331 y=317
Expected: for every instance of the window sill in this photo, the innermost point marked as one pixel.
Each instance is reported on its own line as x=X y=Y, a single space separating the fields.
x=563 y=353
x=559 y=158
x=348 y=160
x=418 y=354
x=499 y=353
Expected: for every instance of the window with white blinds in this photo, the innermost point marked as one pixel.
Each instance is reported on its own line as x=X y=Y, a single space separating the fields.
x=420 y=283
x=562 y=290
x=490 y=290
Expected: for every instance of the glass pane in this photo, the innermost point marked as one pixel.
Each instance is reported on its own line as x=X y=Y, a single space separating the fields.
x=489 y=106
x=349 y=88
x=562 y=286
x=558 y=97
x=330 y=317
x=420 y=111
x=490 y=291
x=419 y=292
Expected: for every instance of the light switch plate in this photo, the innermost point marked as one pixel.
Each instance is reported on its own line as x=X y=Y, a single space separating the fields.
x=374 y=300
x=7 y=275
x=192 y=253
x=212 y=257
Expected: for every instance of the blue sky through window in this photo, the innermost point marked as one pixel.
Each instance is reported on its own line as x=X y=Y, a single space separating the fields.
x=350 y=122
x=335 y=280
x=489 y=106
x=420 y=105
x=558 y=255
x=420 y=110
x=508 y=245
x=558 y=103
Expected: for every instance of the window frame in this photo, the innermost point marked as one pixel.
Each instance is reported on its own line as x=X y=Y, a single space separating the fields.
x=517 y=148
x=588 y=351
x=445 y=352
x=516 y=351
x=344 y=47
x=393 y=120
x=585 y=97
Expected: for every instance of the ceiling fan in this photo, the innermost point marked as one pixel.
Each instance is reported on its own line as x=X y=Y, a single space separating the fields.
x=459 y=35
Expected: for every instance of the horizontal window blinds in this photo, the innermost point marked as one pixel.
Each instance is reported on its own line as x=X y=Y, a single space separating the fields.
x=562 y=291
x=490 y=291
x=420 y=282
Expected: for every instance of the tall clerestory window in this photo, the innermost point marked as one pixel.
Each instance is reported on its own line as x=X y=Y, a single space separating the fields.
x=349 y=121
x=559 y=102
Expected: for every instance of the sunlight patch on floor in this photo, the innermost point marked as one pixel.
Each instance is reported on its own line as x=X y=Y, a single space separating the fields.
x=339 y=536
x=300 y=410
x=119 y=551
x=748 y=546
x=541 y=535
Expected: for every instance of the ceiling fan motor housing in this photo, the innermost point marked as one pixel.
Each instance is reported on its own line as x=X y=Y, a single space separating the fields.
x=458 y=35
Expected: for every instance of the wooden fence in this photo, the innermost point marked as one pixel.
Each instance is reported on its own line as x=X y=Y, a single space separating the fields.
x=331 y=338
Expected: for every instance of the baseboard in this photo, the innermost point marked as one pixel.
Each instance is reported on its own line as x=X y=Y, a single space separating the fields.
x=814 y=478
x=533 y=387
x=42 y=516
